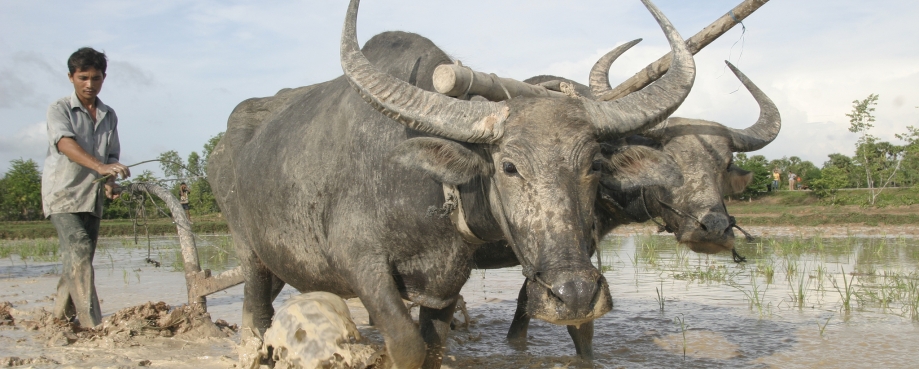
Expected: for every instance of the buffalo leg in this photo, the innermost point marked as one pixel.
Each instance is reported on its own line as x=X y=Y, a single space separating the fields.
x=435 y=325
x=258 y=293
x=379 y=294
x=518 y=329
x=583 y=337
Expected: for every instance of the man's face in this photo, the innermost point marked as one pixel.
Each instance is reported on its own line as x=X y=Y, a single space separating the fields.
x=87 y=83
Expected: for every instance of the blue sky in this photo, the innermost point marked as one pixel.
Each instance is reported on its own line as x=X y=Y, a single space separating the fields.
x=178 y=68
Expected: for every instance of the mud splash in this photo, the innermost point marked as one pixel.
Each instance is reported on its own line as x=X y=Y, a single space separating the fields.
x=127 y=328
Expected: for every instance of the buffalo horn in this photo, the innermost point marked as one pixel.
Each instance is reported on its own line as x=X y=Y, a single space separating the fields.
x=467 y=121
x=599 y=74
x=651 y=105
x=766 y=127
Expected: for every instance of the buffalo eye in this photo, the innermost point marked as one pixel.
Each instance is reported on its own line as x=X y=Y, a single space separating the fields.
x=596 y=166
x=509 y=168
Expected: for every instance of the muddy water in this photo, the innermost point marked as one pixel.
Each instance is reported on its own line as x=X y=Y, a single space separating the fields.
x=672 y=307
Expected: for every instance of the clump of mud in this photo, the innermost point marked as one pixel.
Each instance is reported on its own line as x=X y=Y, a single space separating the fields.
x=148 y=320
x=159 y=319
x=11 y=361
x=6 y=317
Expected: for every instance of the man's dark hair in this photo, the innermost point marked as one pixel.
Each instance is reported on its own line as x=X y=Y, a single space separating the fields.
x=182 y=183
x=85 y=58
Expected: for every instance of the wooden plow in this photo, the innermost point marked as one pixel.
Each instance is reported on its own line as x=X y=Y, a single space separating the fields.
x=200 y=283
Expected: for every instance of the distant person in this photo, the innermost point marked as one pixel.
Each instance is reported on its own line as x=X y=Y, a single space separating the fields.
x=776 y=176
x=183 y=199
x=798 y=183
x=791 y=181
x=83 y=146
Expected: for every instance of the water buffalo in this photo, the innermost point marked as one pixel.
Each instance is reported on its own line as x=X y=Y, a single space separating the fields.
x=693 y=210
x=704 y=150
x=324 y=191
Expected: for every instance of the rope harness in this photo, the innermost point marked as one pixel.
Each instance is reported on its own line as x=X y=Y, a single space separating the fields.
x=453 y=207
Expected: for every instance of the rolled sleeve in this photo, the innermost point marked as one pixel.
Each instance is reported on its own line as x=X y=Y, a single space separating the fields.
x=59 y=124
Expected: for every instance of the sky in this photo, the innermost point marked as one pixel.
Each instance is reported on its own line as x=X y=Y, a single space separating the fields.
x=177 y=68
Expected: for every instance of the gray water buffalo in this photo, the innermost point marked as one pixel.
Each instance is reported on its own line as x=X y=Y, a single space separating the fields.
x=693 y=210
x=704 y=150
x=324 y=190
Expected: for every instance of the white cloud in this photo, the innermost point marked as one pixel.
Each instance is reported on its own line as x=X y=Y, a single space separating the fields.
x=179 y=67
x=29 y=142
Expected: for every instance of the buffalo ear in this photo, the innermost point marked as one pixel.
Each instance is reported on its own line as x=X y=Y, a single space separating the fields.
x=446 y=161
x=736 y=180
x=634 y=166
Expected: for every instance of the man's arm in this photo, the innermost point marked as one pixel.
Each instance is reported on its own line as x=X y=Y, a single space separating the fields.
x=70 y=148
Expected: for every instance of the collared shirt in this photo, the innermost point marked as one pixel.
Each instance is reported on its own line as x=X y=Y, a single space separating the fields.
x=67 y=187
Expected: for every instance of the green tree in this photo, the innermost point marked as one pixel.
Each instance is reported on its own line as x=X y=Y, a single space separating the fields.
x=171 y=164
x=909 y=169
x=193 y=172
x=831 y=180
x=880 y=161
x=20 y=191
x=136 y=205
x=848 y=166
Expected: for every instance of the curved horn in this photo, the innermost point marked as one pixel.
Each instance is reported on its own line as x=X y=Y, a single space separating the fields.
x=766 y=127
x=599 y=74
x=649 y=106
x=429 y=112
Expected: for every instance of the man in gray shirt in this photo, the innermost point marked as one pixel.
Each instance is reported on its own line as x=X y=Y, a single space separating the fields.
x=83 y=146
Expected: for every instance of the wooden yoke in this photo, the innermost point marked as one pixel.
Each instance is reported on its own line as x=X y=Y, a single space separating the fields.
x=695 y=43
x=462 y=82
x=458 y=81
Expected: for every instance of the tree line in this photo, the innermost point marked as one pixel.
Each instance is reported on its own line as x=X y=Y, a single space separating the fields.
x=875 y=165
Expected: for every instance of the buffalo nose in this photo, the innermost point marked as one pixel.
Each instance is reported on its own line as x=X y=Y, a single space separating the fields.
x=577 y=291
x=716 y=222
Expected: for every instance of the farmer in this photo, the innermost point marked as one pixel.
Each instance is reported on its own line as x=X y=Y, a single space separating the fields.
x=183 y=199
x=775 y=179
x=83 y=147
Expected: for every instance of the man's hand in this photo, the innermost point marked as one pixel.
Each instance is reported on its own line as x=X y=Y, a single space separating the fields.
x=113 y=170
x=112 y=189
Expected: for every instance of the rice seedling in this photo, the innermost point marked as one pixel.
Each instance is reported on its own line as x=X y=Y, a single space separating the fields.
x=821 y=272
x=681 y=320
x=791 y=266
x=846 y=292
x=822 y=327
x=766 y=267
x=124 y=272
x=799 y=293
x=660 y=296
x=756 y=297
x=817 y=240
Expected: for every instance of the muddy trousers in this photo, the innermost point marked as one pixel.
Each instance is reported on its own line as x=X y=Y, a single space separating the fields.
x=76 y=291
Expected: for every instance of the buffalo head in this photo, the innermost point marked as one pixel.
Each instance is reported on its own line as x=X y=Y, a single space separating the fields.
x=538 y=162
x=704 y=150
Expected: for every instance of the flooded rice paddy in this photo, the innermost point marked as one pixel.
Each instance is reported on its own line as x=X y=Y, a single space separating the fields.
x=797 y=302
